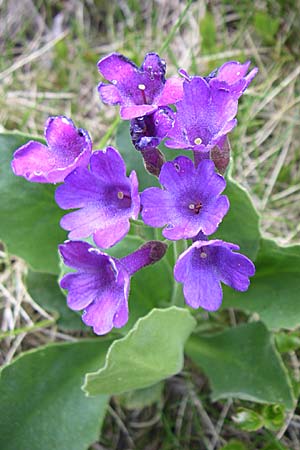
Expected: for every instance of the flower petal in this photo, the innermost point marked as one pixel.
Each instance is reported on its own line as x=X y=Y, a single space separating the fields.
x=82 y=256
x=157 y=207
x=83 y=289
x=108 y=235
x=133 y=111
x=116 y=67
x=33 y=161
x=109 y=93
x=172 y=91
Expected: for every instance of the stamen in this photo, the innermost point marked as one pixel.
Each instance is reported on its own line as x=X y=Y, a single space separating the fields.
x=195 y=207
x=203 y=255
x=198 y=141
x=142 y=88
x=238 y=73
x=120 y=195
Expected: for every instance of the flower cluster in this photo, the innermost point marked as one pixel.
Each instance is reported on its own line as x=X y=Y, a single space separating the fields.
x=191 y=113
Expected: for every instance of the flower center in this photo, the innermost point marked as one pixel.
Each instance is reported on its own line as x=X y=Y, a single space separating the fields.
x=203 y=255
x=142 y=88
x=120 y=195
x=197 y=141
x=195 y=207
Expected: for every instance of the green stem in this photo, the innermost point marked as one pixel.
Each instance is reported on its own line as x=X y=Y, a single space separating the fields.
x=177 y=297
x=109 y=132
x=29 y=329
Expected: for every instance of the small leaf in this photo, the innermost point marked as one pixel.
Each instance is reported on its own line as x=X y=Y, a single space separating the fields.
x=241 y=224
x=287 y=342
x=248 y=420
x=274 y=416
x=242 y=362
x=44 y=289
x=274 y=290
x=42 y=405
x=29 y=216
x=151 y=351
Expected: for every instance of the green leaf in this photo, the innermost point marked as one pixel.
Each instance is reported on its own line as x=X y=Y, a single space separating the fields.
x=234 y=444
x=151 y=351
x=241 y=224
x=42 y=405
x=44 y=289
x=274 y=416
x=242 y=362
x=142 y=397
x=248 y=420
x=29 y=216
x=274 y=290
x=132 y=157
x=287 y=342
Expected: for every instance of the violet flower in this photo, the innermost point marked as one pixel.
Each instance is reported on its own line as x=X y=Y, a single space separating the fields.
x=67 y=147
x=202 y=268
x=191 y=201
x=148 y=131
x=100 y=285
x=233 y=76
x=204 y=117
x=139 y=91
x=105 y=196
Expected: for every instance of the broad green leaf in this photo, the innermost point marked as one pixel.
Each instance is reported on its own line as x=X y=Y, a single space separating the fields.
x=150 y=352
x=242 y=362
x=142 y=397
x=274 y=290
x=29 y=216
x=248 y=420
x=241 y=224
x=44 y=289
x=42 y=405
x=132 y=157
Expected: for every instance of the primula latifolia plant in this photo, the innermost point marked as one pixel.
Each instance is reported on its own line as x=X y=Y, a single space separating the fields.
x=154 y=229
x=188 y=112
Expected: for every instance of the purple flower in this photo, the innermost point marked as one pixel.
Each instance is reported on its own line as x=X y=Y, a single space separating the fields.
x=139 y=91
x=148 y=131
x=202 y=268
x=204 y=117
x=106 y=199
x=191 y=201
x=67 y=147
x=233 y=76
x=100 y=285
